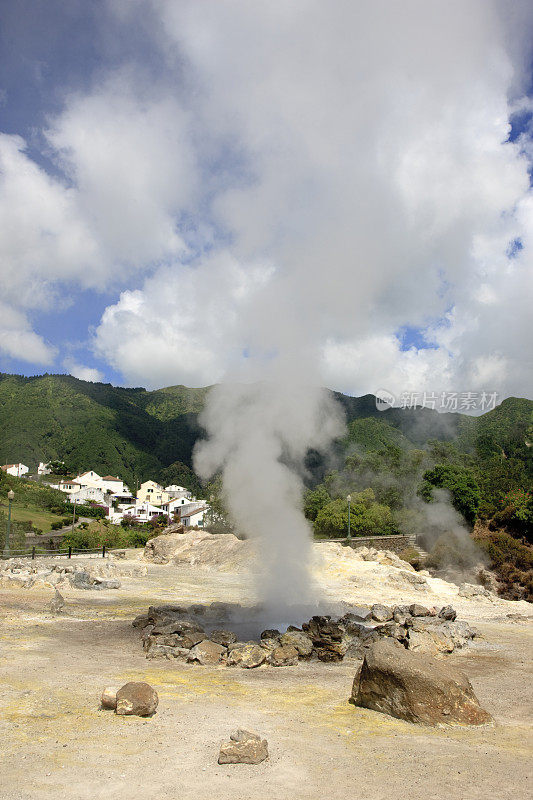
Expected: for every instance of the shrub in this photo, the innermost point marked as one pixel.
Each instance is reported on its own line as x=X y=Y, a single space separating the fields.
x=412 y=556
x=461 y=484
x=56 y=526
x=367 y=518
x=511 y=560
x=453 y=550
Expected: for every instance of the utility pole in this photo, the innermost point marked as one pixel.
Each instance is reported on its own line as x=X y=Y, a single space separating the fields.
x=10 y=497
x=349 y=499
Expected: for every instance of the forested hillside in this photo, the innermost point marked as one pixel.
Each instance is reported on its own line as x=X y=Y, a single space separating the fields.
x=134 y=432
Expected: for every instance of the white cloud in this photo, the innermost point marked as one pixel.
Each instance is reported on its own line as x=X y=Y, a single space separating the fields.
x=78 y=370
x=339 y=171
x=379 y=182
x=19 y=341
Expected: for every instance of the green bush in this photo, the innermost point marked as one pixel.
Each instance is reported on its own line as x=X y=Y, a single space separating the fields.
x=461 y=484
x=367 y=518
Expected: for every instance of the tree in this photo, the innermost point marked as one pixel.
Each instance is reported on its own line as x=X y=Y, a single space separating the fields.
x=367 y=518
x=461 y=484
x=314 y=500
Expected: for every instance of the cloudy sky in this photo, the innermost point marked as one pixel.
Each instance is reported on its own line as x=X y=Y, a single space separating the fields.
x=191 y=189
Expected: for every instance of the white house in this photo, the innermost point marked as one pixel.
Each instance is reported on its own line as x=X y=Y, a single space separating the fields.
x=87 y=494
x=17 y=470
x=43 y=469
x=114 y=485
x=142 y=511
x=68 y=486
x=177 y=505
x=174 y=491
x=195 y=517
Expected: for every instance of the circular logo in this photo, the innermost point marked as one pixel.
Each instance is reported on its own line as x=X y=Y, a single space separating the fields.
x=384 y=399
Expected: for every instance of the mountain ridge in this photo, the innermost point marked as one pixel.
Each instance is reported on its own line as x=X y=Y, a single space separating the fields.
x=138 y=433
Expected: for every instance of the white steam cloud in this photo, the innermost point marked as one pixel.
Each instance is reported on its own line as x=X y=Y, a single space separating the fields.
x=259 y=436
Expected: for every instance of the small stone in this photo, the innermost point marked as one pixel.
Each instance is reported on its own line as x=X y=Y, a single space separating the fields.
x=206 y=653
x=381 y=613
x=270 y=633
x=137 y=698
x=283 y=656
x=417 y=610
x=57 y=603
x=109 y=697
x=243 y=747
x=448 y=613
x=358 y=614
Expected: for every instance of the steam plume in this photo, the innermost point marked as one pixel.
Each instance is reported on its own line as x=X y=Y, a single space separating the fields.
x=259 y=435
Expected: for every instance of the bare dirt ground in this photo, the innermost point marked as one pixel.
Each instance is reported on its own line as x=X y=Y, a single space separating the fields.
x=56 y=743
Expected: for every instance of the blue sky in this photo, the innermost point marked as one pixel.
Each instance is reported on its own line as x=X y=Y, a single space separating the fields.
x=171 y=170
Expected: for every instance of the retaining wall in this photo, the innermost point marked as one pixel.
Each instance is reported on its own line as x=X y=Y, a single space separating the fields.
x=395 y=543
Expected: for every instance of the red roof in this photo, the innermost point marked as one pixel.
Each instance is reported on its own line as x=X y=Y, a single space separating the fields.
x=111 y=478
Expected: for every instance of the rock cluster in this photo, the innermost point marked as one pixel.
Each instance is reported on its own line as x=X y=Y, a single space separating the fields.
x=175 y=632
x=136 y=698
x=27 y=574
x=415 y=687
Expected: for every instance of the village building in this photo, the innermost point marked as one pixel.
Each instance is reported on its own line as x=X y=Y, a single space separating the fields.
x=152 y=492
x=17 y=470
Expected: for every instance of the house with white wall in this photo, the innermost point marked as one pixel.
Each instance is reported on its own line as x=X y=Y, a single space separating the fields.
x=174 y=491
x=195 y=517
x=88 y=494
x=17 y=470
x=142 y=511
x=43 y=469
x=152 y=492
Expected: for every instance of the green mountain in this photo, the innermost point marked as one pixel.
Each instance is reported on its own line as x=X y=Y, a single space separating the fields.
x=136 y=433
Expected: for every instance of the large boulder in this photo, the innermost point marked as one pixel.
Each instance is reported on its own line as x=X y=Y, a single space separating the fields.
x=244 y=747
x=136 y=698
x=415 y=687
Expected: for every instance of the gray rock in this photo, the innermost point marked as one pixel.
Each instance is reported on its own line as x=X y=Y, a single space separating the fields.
x=243 y=747
x=223 y=637
x=81 y=580
x=137 y=698
x=270 y=633
x=415 y=687
x=448 y=613
x=417 y=610
x=358 y=614
x=206 y=653
x=381 y=613
x=103 y=583
x=249 y=656
x=269 y=644
x=57 y=602
x=298 y=640
x=283 y=656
